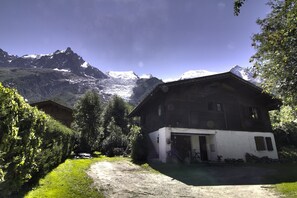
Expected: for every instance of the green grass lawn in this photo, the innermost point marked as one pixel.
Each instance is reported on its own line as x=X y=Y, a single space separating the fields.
x=288 y=189
x=69 y=180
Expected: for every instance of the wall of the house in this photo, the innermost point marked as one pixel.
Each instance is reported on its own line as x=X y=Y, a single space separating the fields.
x=152 y=118
x=187 y=106
x=154 y=138
x=235 y=144
x=195 y=143
x=58 y=113
x=227 y=144
x=164 y=143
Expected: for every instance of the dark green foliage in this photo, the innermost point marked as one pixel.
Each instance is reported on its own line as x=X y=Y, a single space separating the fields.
x=117 y=109
x=116 y=142
x=139 y=146
x=254 y=159
x=275 y=59
x=31 y=143
x=237 y=5
x=288 y=154
x=284 y=124
x=87 y=121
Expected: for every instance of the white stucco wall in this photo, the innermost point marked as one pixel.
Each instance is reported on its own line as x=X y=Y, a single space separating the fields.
x=212 y=149
x=228 y=144
x=235 y=144
x=195 y=143
x=154 y=139
x=164 y=147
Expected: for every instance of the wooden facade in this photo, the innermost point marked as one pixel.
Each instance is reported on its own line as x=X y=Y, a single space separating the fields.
x=223 y=101
x=59 y=112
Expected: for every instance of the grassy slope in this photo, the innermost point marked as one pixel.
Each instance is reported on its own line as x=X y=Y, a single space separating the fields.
x=68 y=180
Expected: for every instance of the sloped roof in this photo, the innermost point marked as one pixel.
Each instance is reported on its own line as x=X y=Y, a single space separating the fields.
x=226 y=75
x=46 y=102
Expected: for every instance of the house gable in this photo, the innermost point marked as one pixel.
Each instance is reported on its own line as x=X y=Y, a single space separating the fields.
x=59 y=112
x=223 y=101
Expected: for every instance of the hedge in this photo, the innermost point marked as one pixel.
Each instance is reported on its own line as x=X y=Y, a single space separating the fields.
x=31 y=142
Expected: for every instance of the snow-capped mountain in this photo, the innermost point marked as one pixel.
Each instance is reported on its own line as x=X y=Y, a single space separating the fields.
x=63 y=75
x=5 y=58
x=61 y=60
x=126 y=84
x=126 y=75
x=196 y=74
x=146 y=76
x=245 y=74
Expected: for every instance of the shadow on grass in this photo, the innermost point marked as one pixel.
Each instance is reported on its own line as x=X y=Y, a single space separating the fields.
x=228 y=174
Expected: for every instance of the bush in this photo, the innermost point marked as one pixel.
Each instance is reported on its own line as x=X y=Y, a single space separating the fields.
x=31 y=143
x=288 y=154
x=139 y=148
x=254 y=159
x=116 y=143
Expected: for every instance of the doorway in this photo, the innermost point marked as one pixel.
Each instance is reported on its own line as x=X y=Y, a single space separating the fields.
x=203 y=148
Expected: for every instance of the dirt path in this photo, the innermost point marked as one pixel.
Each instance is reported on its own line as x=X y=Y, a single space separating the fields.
x=124 y=179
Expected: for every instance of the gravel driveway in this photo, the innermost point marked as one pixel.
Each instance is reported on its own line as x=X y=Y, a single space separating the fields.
x=125 y=179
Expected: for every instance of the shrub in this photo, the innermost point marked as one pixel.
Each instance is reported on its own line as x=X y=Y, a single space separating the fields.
x=254 y=159
x=288 y=154
x=116 y=143
x=31 y=143
x=139 y=148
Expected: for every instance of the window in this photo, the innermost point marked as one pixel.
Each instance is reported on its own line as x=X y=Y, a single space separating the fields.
x=263 y=144
x=215 y=106
x=254 y=113
x=159 y=110
x=219 y=107
x=269 y=144
x=260 y=144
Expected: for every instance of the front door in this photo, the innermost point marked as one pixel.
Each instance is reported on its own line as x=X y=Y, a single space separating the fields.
x=203 y=149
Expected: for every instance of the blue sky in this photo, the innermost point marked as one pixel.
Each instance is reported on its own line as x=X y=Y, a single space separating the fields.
x=163 y=37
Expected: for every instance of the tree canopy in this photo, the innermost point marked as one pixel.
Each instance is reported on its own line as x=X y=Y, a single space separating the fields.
x=237 y=5
x=275 y=60
x=87 y=118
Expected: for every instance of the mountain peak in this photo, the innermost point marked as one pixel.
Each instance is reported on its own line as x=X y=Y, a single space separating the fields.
x=146 y=76
x=196 y=73
x=128 y=75
x=68 y=49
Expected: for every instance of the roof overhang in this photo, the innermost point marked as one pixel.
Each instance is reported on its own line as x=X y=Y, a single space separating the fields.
x=275 y=103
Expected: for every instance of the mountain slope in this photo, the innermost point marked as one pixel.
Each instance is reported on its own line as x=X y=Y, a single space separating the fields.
x=65 y=76
x=60 y=59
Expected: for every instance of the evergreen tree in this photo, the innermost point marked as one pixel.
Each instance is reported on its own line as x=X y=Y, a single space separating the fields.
x=117 y=109
x=87 y=121
x=116 y=142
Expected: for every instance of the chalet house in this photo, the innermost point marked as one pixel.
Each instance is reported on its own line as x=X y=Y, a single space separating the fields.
x=59 y=112
x=212 y=118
